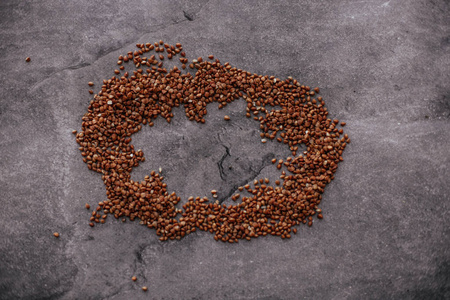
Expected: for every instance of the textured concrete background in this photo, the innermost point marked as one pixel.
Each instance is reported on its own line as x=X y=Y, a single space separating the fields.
x=383 y=67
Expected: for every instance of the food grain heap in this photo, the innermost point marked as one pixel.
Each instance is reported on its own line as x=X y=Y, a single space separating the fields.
x=125 y=103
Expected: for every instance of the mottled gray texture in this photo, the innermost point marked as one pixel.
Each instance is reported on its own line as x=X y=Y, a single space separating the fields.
x=383 y=67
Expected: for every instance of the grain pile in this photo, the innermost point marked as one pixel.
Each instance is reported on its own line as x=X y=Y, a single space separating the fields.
x=126 y=103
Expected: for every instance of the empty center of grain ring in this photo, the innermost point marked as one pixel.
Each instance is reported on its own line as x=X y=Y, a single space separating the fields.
x=127 y=102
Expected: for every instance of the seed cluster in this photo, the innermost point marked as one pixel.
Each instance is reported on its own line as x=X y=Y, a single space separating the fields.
x=287 y=111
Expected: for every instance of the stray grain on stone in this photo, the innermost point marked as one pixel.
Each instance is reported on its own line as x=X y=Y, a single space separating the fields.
x=286 y=110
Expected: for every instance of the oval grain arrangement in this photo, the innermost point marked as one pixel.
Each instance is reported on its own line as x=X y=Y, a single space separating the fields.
x=126 y=103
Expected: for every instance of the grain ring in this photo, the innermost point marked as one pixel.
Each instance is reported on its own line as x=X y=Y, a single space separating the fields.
x=126 y=103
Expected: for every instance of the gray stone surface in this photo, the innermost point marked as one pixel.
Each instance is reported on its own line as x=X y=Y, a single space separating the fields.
x=383 y=67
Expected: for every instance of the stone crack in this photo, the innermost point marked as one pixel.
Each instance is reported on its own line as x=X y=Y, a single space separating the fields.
x=220 y=162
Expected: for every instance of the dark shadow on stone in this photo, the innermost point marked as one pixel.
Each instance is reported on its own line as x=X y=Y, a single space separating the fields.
x=188 y=16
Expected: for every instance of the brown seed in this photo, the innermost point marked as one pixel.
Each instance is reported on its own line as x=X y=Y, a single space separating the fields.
x=74 y=131
x=91 y=224
x=227 y=118
x=90 y=83
x=91 y=91
x=56 y=234
x=144 y=288
x=211 y=56
x=343 y=123
x=115 y=114
x=87 y=206
x=28 y=59
x=134 y=278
